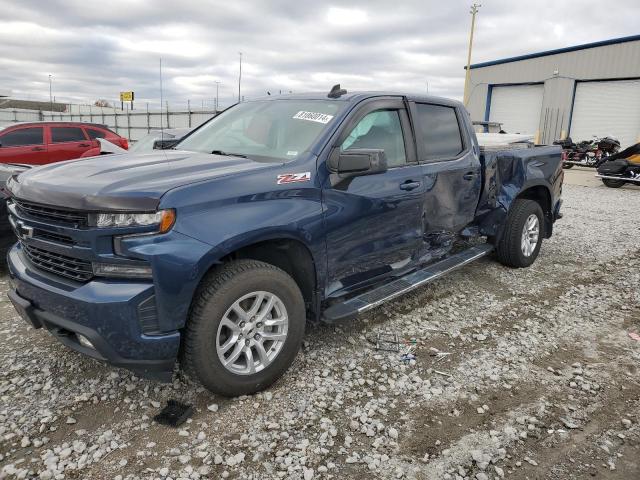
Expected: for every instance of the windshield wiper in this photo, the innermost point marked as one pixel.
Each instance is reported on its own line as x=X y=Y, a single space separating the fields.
x=227 y=154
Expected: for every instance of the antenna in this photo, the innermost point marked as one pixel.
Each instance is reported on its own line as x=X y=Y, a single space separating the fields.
x=161 y=127
x=336 y=91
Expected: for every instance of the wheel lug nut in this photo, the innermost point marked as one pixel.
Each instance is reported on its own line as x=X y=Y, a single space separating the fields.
x=246 y=342
x=257 y=336
x=259 y=324
x=242 y=324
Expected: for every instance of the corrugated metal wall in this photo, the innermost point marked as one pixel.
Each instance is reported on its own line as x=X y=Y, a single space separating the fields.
x=559 y=73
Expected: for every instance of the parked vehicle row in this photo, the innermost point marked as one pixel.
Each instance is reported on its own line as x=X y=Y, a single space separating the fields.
x=40 y=143
x=275 y=212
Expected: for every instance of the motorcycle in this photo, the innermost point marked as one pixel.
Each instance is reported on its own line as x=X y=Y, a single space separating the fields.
x=620 y=168
x=587 y=153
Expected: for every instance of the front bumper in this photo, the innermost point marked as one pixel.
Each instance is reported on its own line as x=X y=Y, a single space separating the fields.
x=105 y=312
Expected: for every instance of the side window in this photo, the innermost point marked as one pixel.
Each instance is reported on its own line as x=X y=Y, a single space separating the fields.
x=66 y=134
x=379 y=130
x=93 y=134
x=438 y=131
x=22 y=137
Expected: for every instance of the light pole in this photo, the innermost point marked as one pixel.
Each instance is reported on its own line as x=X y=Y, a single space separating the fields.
x=467 y=76
x=217 y=97
x=50 y=95
x=239 y=77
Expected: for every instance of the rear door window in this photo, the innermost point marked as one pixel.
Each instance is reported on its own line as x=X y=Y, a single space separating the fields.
x=66 y=134
x=438 y=132
x=22 y=137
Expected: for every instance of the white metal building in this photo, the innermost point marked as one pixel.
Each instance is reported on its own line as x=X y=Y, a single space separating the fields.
x=580 y=91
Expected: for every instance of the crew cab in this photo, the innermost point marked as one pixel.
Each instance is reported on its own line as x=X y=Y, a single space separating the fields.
x=277 y=212
x=39 y=143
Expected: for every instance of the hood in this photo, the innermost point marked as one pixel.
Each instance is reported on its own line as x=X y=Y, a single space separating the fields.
x=123 y=181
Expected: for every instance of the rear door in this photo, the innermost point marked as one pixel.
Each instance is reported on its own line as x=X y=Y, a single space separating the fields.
x=374 y=222
x=452 y=171
x=23 y=145
x=67 y=143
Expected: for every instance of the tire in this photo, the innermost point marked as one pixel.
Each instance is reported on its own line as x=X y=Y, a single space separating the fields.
x=208 y=328
x=510 y=248
x=567 y=166
x=613 y=183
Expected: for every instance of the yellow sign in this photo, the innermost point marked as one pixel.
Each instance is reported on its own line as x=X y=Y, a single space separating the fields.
x=126 y=96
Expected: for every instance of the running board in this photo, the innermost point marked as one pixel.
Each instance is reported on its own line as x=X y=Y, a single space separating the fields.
x=609 y=177
x=373 y=298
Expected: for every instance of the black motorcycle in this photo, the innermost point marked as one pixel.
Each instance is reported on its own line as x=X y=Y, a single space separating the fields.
x=587 y=153
x=620 y=168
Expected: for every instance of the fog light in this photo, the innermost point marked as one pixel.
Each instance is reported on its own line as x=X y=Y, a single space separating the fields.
x=117 y=270
x=84 y=341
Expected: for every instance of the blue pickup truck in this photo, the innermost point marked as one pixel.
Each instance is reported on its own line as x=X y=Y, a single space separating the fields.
x=275 y=213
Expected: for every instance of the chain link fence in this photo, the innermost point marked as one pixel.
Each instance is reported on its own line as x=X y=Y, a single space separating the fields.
x=132 y=124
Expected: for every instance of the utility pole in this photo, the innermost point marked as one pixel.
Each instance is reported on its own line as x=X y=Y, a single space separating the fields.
x=467 y=77
x=50 y=95
x=217 y=91
x=240 y=77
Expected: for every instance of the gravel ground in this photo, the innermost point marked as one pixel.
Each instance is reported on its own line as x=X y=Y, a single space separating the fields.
x=541 y=380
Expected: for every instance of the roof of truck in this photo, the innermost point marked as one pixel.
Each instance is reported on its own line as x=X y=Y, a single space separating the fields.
x=359 y=96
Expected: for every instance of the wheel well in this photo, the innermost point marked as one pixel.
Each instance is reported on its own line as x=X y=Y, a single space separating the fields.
x=291 y=256
x=541 y=195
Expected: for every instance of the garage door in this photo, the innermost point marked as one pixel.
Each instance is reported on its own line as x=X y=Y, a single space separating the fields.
x=517 y=107
x=607 y=108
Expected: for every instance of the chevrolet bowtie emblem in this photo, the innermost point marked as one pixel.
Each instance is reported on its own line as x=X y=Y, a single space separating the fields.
x=23 y=231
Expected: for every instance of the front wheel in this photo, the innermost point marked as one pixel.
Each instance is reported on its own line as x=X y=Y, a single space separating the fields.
x=613 y=183
x=245 y=328
x=520 y=242
x=567 y=166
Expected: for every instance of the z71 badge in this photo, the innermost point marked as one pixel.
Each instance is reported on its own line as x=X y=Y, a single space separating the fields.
x=294 y=177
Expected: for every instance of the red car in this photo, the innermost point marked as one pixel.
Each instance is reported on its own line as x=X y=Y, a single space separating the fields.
x=38 y=143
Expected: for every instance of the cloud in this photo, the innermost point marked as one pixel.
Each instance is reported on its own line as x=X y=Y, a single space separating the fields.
x=94 y=49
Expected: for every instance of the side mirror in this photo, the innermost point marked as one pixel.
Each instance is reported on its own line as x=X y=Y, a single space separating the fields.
x=357 y=162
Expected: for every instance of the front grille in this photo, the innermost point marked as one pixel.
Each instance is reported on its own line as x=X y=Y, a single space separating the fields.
x=73 y=268
x=41 y=212
x=53 y=237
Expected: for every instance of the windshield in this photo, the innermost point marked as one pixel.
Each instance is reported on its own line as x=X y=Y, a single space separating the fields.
x=145 y=144
x=268 y=131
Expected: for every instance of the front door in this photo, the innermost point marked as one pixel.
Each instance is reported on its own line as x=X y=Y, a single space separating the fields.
x=68 y=143
x=374 y=222
x=23 y=145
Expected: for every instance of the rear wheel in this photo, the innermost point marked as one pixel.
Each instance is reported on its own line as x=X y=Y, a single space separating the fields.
x=245 y=328
x=522 y=237
x=613 y=183
x=567 y=166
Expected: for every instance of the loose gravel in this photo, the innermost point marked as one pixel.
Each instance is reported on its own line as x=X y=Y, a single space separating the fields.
x=517 y=374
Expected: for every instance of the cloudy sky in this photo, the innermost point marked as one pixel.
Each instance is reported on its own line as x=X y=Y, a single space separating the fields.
x=94 y=49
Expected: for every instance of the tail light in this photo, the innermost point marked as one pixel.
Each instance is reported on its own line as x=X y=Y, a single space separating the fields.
x=124 y=143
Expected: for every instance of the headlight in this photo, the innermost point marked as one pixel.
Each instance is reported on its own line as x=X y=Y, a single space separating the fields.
x=164 y=219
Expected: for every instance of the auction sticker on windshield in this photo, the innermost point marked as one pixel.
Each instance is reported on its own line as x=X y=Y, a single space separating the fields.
x=313 y=117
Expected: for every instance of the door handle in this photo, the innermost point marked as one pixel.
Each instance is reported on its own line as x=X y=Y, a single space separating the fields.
x=469 y=176
x=409 y=185
x=83 y=145
x=37 y=149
